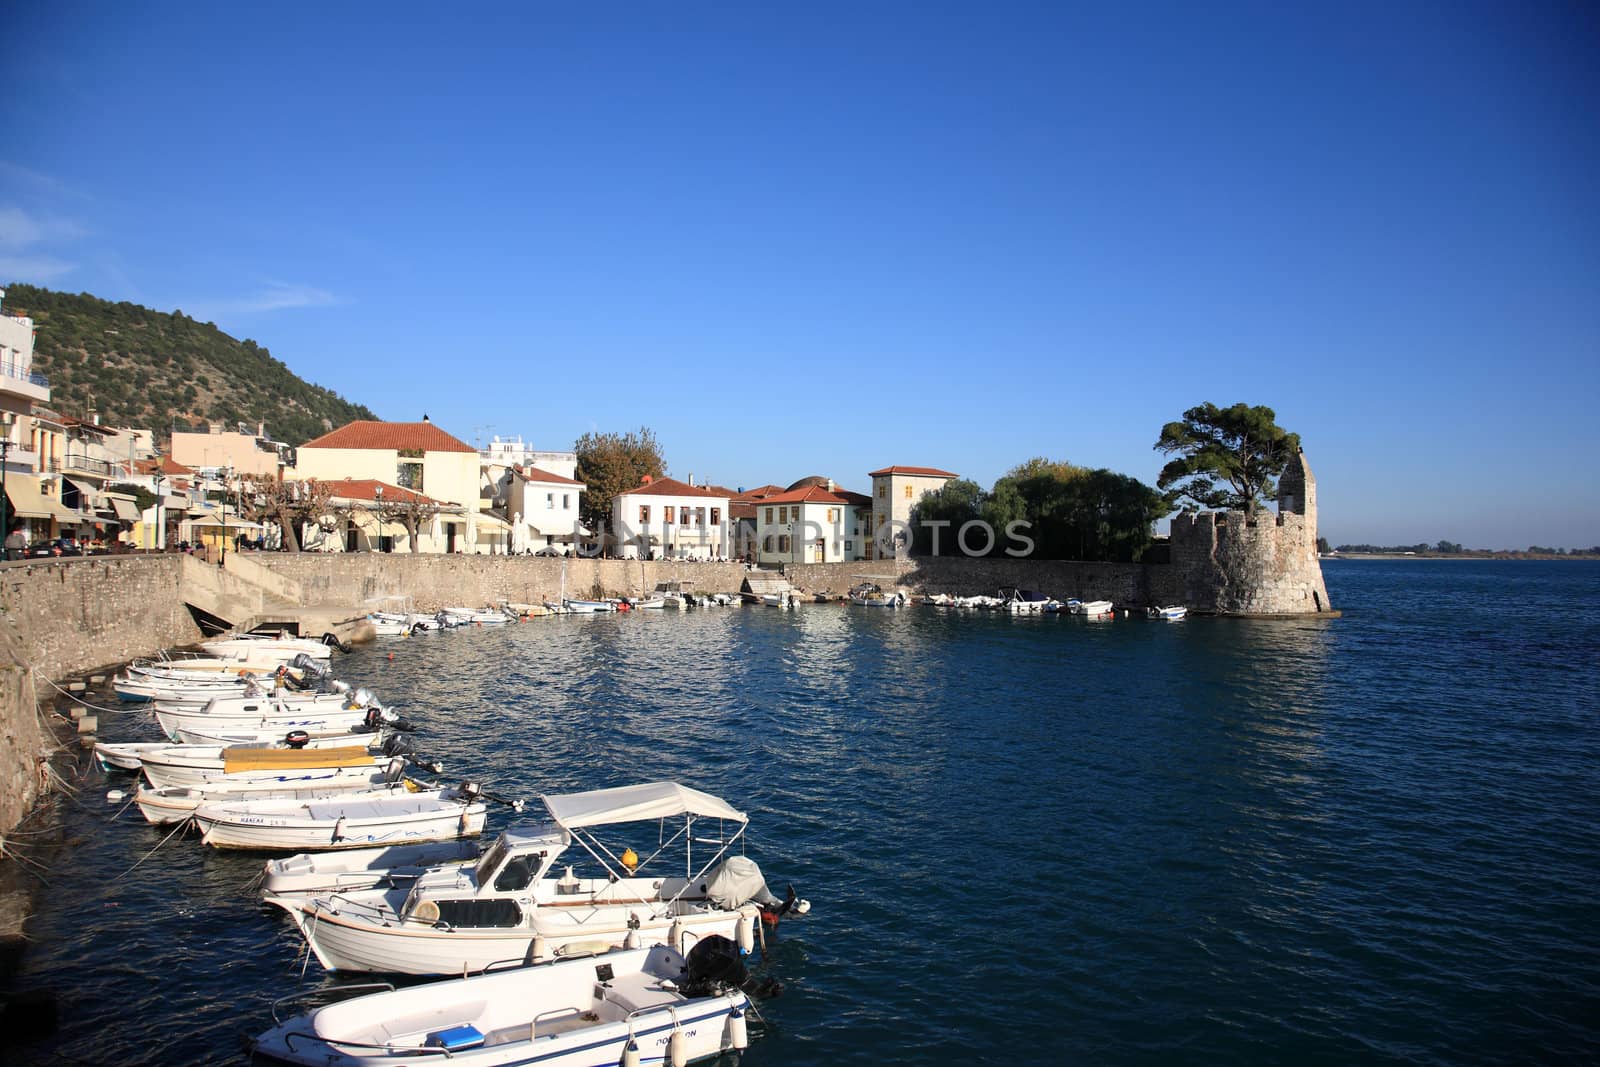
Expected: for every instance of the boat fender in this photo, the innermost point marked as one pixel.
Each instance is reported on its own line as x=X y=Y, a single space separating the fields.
x=738 y=1030
x=677 y=1045
x=630 y=859
x=538 y=950
x=746 y=933
x=338 y=829
x=630 y=1054
x=675 y=936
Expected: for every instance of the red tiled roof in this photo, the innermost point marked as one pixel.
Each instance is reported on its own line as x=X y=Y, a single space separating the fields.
x=760 y=491
x=166 y=464
x=673 y=487
x=741 y=511
x=919 y=472
x=419 y=436
x=367 y=489
x=534 y=474
x=815 y=494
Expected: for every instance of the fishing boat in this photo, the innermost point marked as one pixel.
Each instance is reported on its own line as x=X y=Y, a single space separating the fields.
x=175 y=803
x=1171 y=614
x=1027 y=602
x=588 y=607
x=285 y=765
x=646 y=1005
x=130 y=755
x=356 y=820
x=271 y=646
x=649 y=603
x=868 y=594
x=311 y=873
x=510 y=906
x=1089 y=608
x=276 y=716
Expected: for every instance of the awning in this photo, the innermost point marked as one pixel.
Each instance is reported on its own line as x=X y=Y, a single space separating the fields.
x=486 y=521
x=370 y=524
x=126 y=510
x=29 y=502
x=212 y=518
x=92 y=498
x=635 y=803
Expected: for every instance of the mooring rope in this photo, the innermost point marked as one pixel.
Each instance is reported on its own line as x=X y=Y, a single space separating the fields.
x=34 y=672
x=182 y=825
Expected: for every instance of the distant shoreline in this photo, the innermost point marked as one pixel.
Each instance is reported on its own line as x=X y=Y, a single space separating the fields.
x=1480 y=556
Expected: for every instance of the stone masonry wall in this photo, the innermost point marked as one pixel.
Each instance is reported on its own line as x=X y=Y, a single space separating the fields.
x=436 y=581
x=1131 y=584
x=1231 y=566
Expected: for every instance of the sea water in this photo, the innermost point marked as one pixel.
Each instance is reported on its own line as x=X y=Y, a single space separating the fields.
x=1365 y=839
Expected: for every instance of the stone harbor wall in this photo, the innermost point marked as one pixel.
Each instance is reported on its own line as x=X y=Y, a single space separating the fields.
x=1125 y=584
x=73 y=615
x=357 y=579
x=23 y=738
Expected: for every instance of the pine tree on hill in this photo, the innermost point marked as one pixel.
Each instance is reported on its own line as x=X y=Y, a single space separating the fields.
x=153 y=369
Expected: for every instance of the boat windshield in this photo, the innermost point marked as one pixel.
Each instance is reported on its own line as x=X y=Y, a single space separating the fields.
x=491 y=859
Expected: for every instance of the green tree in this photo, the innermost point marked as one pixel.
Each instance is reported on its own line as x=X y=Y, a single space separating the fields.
x=956 y=502
x=1225 y=457
x=1323 y=548
x=612 y=463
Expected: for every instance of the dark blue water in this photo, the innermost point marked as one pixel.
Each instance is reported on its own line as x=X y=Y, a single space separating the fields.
x=1371 y=839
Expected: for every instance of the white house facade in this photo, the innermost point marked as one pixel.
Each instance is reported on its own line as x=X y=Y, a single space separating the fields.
x=669 y=519
x=895 y=492
x=812 y=524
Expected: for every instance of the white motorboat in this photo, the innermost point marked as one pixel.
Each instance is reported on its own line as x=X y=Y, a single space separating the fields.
x=509 y=906
x=175 y=803
x=245 y=735
x=288 y=766
x=649 y=603
x=130 y=755
x=784 y=600
x=1027 y=602
x=1090 y=608
x=588 y=607
x=868 y=594
x=313 y=873
x=275 y=646
x=356 y=820
x=323 y=713
x=1171 y=614
x=641 y=1006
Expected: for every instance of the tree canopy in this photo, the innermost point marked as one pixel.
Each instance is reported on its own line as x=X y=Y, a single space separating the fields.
x=1071 y=512
x=1225 y=457
x=613 y=463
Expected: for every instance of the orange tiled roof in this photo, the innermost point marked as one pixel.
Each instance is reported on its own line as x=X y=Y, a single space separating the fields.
x=367 y=489
x=165 y=464
x=418 y=436
x=919 y=472
x=815 y=494
x=535 y=474
x=673 y=487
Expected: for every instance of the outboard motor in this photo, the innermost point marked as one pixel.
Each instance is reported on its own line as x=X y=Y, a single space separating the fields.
x=737 y=881
x=308 y=666
x=397 y=746
x=296 y=739
x=332 y=641
x=714 y=965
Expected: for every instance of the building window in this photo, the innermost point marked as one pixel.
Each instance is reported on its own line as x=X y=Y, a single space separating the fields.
x=849 y=546
x=833 y=516
x=783 y=542
x=549 y=500
x=683 y=516
x=700 y=517
x=769 y=515
x=666 y=515
x=716 y=516
x=408 y=475
x=644 y=514
x=767 y=546
x=566 y=500
x=908 y=492
x=883 y=490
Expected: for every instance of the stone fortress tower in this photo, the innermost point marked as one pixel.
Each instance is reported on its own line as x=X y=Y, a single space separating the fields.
x=1268 y=566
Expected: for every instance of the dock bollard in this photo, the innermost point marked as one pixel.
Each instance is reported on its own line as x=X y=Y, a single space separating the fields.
x=88 y=724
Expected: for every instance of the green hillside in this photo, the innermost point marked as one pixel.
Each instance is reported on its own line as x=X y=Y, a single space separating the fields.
x=143 y=368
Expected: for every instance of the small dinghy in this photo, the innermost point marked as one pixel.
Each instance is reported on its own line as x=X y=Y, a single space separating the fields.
x=175 y=803
x=1171 y=614
x=1093 y=609
x=358 y=820
x=646 y=1005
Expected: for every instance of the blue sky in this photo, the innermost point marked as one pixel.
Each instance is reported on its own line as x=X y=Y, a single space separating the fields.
x=828 y=238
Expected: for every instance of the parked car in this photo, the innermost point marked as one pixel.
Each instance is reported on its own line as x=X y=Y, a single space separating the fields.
x=548 y=552
x=61 y=546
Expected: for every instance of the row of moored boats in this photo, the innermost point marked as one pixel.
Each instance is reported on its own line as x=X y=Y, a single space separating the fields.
x=563 y=946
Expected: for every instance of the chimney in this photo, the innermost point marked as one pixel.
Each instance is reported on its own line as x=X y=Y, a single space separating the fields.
x=425 y=417
x=646 y=480
x=261 y=429
x=830 y=485
x=691 y=479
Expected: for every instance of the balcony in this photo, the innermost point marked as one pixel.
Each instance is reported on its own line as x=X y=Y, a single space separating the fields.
x=82 y=465
x=18 y=382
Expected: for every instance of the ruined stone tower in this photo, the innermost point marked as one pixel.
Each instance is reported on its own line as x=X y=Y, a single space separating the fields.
x=1265 y=567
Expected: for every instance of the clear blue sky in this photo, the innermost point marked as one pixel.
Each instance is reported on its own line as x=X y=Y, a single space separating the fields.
x=829 y=238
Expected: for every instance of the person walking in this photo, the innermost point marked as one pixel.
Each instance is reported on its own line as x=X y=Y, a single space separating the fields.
x=16 y=543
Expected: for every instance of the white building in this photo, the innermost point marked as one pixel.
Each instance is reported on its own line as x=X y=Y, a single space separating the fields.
x=668 y=519
x=543 y=509
x=511 y=452
x=813 y=521
x=895 y=491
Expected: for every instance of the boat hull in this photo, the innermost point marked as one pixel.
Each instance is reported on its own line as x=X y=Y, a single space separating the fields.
x=231 y=825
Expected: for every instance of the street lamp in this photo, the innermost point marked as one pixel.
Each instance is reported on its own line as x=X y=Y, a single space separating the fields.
x=6 y=422
x=377 y=495
x=159 y=539
x=227 y=477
